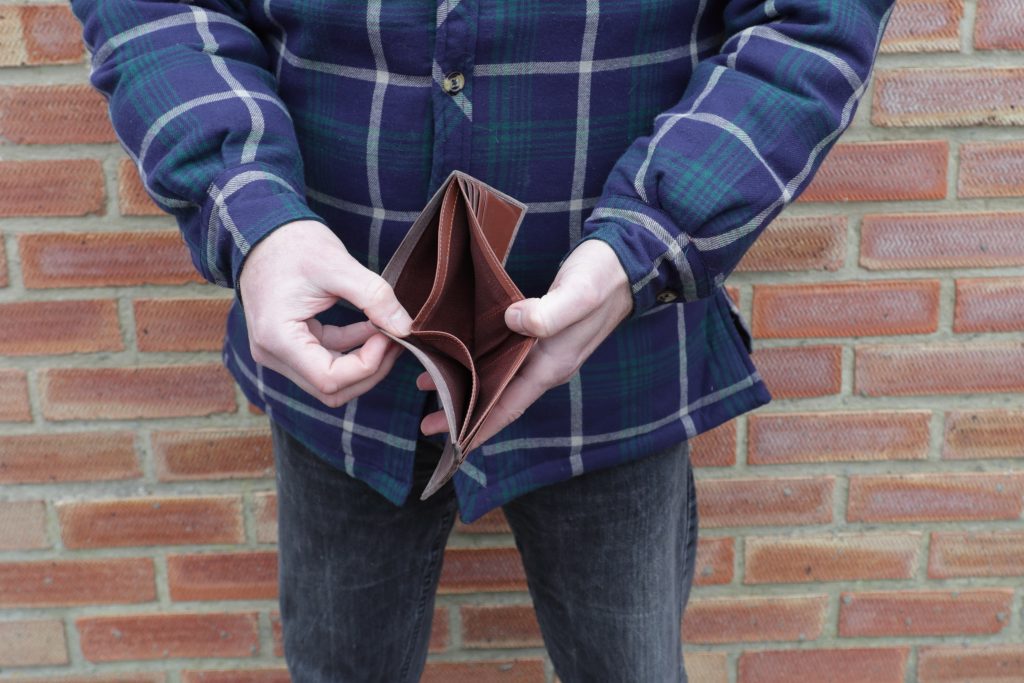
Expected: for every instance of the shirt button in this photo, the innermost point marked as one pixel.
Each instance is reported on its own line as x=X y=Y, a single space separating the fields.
x=453 y=82
x=666 y=296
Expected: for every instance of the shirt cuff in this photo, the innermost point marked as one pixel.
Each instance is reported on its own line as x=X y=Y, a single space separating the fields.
x=243 y=205
x=661 y=262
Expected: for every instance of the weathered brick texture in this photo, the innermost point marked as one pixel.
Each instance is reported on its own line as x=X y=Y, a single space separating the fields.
x=865 y=526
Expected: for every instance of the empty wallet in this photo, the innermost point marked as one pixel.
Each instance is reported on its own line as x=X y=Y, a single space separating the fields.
x=449 y=275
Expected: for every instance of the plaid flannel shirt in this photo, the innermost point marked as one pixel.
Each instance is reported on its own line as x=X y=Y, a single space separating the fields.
x=674 y=130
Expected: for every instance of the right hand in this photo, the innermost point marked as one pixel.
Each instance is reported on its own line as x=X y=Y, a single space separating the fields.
x=297 y=271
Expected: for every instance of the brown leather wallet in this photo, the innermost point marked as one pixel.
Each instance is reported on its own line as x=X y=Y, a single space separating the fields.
x=449 y=274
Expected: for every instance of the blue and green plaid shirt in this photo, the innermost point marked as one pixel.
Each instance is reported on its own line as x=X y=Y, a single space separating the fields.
x=674 y=130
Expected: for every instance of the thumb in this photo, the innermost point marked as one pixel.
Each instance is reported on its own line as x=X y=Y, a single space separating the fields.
x=369 y=292
x=562 y=306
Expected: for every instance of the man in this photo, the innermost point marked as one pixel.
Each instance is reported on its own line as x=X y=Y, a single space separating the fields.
x=652 y=140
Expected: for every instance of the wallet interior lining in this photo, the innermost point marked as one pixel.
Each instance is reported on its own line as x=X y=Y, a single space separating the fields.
x=456 y=256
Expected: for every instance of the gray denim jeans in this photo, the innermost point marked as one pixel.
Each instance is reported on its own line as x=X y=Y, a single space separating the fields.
x=609 y=559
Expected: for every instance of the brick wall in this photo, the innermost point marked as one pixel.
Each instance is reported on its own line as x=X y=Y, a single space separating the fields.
x=867 y=523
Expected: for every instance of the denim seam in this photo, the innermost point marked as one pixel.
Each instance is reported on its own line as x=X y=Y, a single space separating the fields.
x=428 y=580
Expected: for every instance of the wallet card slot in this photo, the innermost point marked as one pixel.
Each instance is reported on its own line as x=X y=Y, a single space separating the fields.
x=421 y=267
x=453 y=357
x=451 y=296
x=495 y=343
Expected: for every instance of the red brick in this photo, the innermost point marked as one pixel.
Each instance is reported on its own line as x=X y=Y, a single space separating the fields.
x=707 y=667
x=68 y=456
x=471 y=570
x=264 y=512
x=924 y=26
x=151 y=521
x=846 y=309
x=54 y=114
x=153 y=677
x=800 y=371
x=163 y=636
x=890 y=370
x=181 y=324
x=715 y=558
x=36 y=642
x=837 y=437
x=944 y=497
x=3 y=263
x=238 y=675
x=834 y=665
x=924 y=613
x=493 y=522
x=974 y=434
x=486 y=626
x=60 y=583
x=991 y=169
x=440 y=635
x=213 y=454
x=881 y=171
x=989 y=305
x=968 y=240
x=223 y=576
x=136 y=392
x=57 y=187
x=754 y=619
x=510 y=671
x=734 y=293
x=920 y=97
x=832 y=557
x=133 y=200
x=51 y=34
x=33 y=328
x=277 y=634
x=105 y=258
x=763 y=501
x=23 y=525
x=976 y=553
x=715 y=447
x=999 y=26
x=970 y=664
x=14 y=406
x=798 y=243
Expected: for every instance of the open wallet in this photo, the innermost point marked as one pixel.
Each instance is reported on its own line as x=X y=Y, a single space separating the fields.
x=449 y=275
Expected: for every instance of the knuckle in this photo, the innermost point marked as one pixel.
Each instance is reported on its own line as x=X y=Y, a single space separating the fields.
x=256 y=351
x=589 y=298
x=538 y=322
x=379 y=292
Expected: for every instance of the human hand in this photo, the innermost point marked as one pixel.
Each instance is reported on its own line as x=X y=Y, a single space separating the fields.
x=297 y=271
x=589 y=297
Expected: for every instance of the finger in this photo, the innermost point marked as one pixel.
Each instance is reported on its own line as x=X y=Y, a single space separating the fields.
x=520 y=393
x=564 y=304
x=360 y=388
x=425 y=382
x=346 y=393
x=296 y=348
x=372 y=294
x=434 y=423
x=346 y=337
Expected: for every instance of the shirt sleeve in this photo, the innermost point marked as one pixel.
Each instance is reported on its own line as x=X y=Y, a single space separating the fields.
x=681 y=206
x=193 y=101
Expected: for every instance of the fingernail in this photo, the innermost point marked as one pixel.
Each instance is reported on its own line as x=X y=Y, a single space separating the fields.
x=515 y=317
x=400 y=322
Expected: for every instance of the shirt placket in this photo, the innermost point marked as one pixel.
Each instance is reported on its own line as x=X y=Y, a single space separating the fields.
x=452 y=88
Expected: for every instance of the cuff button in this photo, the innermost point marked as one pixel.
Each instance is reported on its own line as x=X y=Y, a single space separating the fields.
x=666 y=296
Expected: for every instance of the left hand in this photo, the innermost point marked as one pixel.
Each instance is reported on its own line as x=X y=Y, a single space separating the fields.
x=589 y=297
